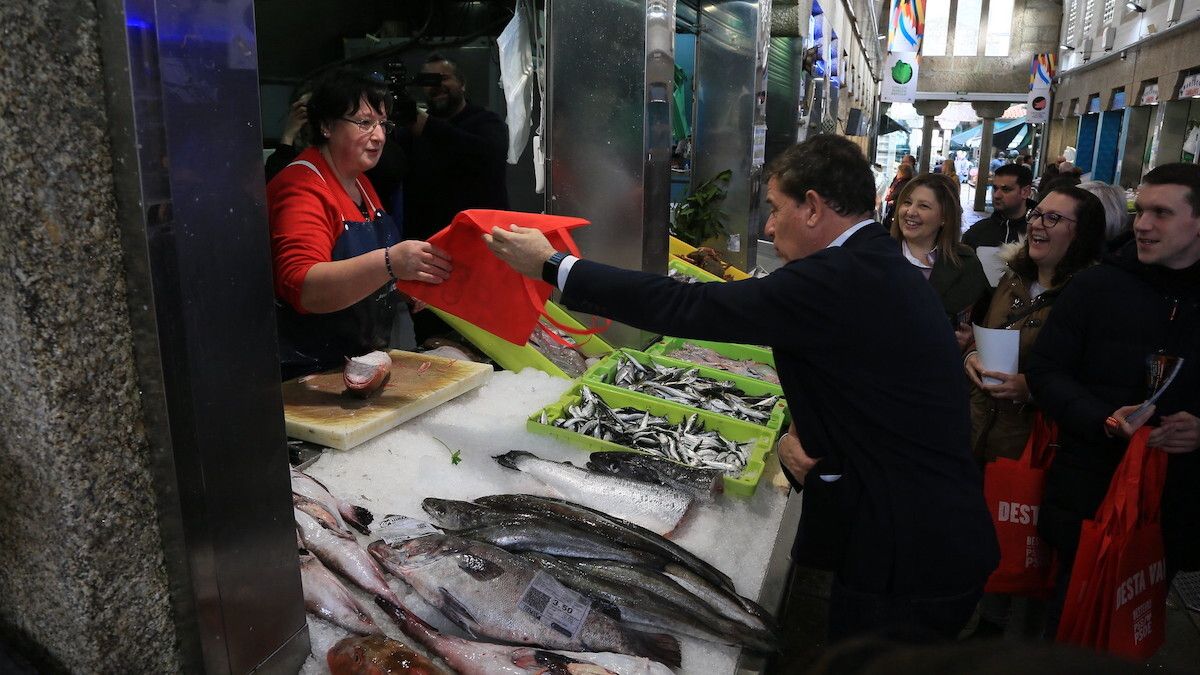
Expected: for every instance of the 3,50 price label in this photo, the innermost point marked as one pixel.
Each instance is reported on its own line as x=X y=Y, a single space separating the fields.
x=555 y=605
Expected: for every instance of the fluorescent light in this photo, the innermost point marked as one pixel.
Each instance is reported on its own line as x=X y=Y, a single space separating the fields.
x=1134 y=7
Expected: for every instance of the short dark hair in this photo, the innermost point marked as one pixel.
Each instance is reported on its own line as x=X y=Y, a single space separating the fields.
x=1019 y=171
x=1062 y=180
x=830 y=165
x=437 y=57
x=1084 y=250
x=1187 y=175
x=339 y=93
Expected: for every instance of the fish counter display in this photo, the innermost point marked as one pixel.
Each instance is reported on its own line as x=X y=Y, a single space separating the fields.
x=460 y=542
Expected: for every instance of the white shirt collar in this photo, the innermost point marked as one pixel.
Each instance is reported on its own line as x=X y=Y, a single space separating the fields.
x=841 y=238
x=924 y=264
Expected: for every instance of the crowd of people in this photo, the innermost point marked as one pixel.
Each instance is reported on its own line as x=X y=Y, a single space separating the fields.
x=894 y=416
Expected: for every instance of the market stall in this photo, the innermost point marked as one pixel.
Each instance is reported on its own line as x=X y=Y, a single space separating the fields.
x=448 y=453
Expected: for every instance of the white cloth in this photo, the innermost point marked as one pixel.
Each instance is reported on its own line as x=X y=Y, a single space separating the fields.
x=516 y=73
x=841 y=238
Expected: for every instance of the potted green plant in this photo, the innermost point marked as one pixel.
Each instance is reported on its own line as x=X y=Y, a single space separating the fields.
x=699 y=217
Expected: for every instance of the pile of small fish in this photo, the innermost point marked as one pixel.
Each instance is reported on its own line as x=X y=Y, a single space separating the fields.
x=688 y=442
x=567 y=358
x=689 y=387
x=682 y=277
x=708 y=357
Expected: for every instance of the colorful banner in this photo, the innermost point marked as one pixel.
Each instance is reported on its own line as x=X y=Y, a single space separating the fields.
x=1190 y=87
x=899 y=78
x=906 y=26
x=1037 y=107
x=1042 y=69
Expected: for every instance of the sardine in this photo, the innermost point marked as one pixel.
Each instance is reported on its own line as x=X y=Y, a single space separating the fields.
x=468 y=657
x=491 y=593
x=377 y=655
x=704 y=484
x=348 y=514
x=341 y=552
x=620 y=531
x=658 y=508
x=327 y=598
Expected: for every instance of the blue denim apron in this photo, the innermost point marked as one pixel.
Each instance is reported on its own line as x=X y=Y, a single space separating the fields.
x=310 y=343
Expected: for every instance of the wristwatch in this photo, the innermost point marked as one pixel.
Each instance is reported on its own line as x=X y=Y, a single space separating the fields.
x=550 y=268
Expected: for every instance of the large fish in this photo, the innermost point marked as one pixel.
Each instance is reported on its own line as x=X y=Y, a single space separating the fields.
x=339 y=550
x=658 y=508
x=619 y=531
x=481 y=658
x=377 y=655
x=452 y=514
x=556 y=538
x=327 y=598
x=724 y=601
x=347 y=514
x=703 y=484
x=491 y=593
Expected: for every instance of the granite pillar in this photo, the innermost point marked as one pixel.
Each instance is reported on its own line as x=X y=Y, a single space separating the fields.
x=989 y=111
x=929 y=110
x=82 y=573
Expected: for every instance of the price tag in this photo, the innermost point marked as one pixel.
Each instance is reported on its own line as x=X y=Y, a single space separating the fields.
x=555 y=605
x=395 y=529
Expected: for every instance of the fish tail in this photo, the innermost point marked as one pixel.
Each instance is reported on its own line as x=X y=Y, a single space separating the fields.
x=357 y=517
x=509 y=459
x=656 y=646
x=411 y=624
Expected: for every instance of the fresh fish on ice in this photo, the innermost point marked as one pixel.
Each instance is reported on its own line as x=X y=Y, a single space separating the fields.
x=347 y=514
x=724 y=601
x=703 y=484
x=468 y=657
x=658 y=508
x=687 y=386
x=327 y=598
x=378 y=655
x=708 y=357
x=620 y=531
x=337 y=549
x=452 y=514
x=567 y=358
x=363 y=375
x=558 y=539
x=491 y=593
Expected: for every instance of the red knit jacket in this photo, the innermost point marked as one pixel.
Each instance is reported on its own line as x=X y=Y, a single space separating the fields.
x=306 y=216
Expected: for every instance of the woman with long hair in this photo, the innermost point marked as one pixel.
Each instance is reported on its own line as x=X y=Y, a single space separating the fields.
x=904 y=173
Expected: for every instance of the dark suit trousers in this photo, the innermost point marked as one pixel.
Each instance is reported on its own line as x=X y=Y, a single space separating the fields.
x=854 y=613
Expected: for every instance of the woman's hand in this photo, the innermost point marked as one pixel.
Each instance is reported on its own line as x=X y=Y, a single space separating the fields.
x=297 y=118
x=525 y=249
x=1177 y=433
x=1121 y=425
x=793 y=457
x=974 y=369
x=415 y=260
x=1012 y=387
x=963 y=334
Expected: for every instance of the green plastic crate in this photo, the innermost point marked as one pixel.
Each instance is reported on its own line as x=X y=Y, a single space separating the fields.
x=684 y=267
x=732 y=350
x=517 y=357
x=744 y=484
x=601 y=375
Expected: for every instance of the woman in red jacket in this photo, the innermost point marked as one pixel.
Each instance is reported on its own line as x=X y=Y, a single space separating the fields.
x=337 y=254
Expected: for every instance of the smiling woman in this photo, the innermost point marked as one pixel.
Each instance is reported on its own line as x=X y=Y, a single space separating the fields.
x=337 y=254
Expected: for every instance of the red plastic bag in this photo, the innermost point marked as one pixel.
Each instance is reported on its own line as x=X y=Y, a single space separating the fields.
x=1116 y=600
x=1013 y=489
x=484 y=290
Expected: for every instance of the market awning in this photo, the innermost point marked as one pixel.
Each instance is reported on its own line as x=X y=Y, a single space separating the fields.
x=1002 y=133
x=888 y=125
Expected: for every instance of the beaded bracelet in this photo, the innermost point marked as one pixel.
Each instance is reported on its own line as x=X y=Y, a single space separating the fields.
x=387 y=260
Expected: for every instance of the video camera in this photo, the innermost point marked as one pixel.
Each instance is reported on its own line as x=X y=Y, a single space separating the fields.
x=396 y=74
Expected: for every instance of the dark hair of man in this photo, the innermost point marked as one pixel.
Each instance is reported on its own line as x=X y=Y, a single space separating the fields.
x=436 y=57
x=339 y=94
x=833 y=167
x=1084 y=250
x=1062 y=180
x=1019 y=171
x=1185 y=175
x=945 y=190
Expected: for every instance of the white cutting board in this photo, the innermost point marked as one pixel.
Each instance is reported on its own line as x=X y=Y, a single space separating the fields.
x=316 y=407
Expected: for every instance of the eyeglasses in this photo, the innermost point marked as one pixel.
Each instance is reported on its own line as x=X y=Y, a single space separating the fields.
x=367 y=126
x=1049 y=220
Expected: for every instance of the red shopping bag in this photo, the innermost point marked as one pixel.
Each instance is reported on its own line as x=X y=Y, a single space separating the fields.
x=1116 y=600
x=484 y=290
x=1013 y=489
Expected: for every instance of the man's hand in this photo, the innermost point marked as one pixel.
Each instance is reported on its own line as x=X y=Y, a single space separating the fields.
x=1124 y=426
x=1177 y=433
x=415 y=260
x=525 y=249
x=793 y=457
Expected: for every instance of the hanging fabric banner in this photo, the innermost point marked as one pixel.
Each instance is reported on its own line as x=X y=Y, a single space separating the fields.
x=1041 y=75
x=906 y=25
x=899 y=78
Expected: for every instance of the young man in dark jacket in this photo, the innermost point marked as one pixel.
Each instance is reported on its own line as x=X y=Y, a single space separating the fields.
x=1011 y=187
x=1088 y=370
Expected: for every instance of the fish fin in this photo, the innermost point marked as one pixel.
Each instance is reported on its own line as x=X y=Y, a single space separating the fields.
x=480 y=569
x=553 y=663
x=456 y=612
x=655 y=646
x=357 y=517
x=509 y=459
x=607 y=608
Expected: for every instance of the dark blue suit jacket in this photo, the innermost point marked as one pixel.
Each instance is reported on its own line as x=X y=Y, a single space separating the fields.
x=876 y=387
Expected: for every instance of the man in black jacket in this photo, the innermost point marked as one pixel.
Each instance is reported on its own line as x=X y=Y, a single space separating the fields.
x=880 y=438
x=1011 y=186
x=1088 y=370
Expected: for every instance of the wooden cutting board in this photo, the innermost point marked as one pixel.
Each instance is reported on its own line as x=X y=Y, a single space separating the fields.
x=315 y=407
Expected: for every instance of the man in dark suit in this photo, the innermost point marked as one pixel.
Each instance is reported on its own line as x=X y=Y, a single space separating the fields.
x=893 y=502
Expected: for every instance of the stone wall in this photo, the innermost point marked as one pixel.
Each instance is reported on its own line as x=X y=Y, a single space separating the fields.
x=1164 y=58
x=82 y=582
